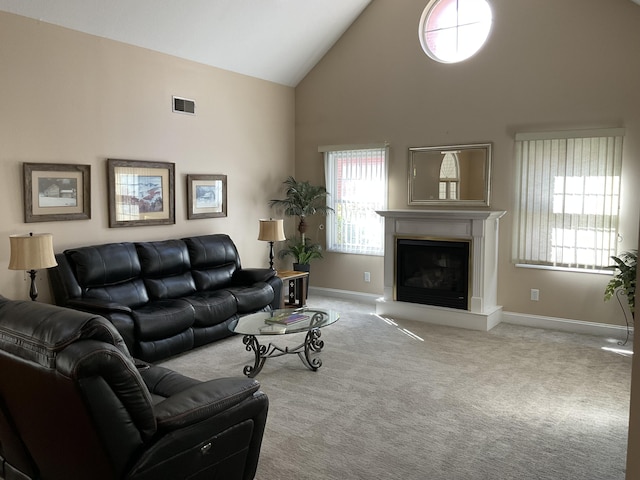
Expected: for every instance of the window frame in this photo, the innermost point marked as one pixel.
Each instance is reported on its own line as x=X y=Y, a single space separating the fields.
x=332 y=242
x=536 y=155
x=455 y=28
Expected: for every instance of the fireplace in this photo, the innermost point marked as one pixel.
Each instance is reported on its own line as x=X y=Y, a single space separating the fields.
x=453 y=232
x=432 y=272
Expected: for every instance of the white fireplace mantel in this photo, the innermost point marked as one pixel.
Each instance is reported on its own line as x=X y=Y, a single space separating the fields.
x=479 y=226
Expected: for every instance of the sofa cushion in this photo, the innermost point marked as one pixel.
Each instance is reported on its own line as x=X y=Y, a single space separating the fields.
x=155 y=350
x=212 y=308
x=163 y=318
x=133 y=294
x=214 y=260
x=176 y=286
x=107 y=264
x=253 y=298
x=166 y=268
x=109 y=272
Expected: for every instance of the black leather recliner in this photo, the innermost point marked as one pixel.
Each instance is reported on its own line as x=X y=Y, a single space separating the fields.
x=75 y=405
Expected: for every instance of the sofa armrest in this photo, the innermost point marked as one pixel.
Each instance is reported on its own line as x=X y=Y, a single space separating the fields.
x=249 y=276
x=203 y=401
x=97 y=306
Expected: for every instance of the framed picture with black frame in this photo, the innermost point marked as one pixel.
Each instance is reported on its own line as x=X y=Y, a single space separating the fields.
x=141 y=193
x=56 y=192
x=206 y=196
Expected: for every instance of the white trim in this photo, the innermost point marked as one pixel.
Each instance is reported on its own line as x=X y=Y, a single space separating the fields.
x=565 y=325
x=525 y=320
x=564 y=269
x=596 y=132
x=345 y=294
x=362 y=146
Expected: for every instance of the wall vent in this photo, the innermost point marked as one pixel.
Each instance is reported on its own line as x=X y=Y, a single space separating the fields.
x=184 y=105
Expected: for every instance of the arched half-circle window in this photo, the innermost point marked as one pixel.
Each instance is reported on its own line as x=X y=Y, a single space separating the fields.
x=449 y=177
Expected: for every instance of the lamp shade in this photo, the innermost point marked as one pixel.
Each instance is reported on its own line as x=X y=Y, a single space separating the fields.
x=272 y=230
x=31 y=252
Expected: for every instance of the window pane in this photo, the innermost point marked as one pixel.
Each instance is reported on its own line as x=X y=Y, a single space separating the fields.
x=567 y=202
x=356 y=180
x=454 y=30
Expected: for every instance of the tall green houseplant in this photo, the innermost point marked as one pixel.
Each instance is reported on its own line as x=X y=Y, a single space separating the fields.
x=302 y=199
x=624 y=277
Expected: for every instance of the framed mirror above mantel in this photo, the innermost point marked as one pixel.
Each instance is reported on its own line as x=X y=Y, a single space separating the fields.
x=453 y=175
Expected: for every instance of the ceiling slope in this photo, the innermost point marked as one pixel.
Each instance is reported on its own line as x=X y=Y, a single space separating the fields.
x=275 y=40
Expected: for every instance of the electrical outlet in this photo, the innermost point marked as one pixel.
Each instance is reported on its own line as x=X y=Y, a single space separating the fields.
x=367 y=277
x=535 y=294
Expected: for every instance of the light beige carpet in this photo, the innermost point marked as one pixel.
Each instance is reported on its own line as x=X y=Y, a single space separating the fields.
x=513 y=403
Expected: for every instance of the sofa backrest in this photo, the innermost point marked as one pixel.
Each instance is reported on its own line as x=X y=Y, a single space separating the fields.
x=166 y=269
x=214 y=260
x=131 y=274
x=110 y=271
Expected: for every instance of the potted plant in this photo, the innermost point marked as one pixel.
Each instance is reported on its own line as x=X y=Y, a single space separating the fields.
x=624 y=278
x=302 y=253
x=302 y=200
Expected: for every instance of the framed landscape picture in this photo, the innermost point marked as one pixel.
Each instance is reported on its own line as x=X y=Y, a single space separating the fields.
x=206 y=196
x=141 y=193
x=56 y=191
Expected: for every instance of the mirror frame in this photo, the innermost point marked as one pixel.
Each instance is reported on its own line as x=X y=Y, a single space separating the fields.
x=484 y=202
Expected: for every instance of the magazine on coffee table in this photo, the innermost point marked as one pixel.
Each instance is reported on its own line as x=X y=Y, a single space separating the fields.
x=287 y=318
x=273 y=329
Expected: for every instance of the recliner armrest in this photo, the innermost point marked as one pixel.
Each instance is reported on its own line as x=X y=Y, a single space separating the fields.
x=203 y=401
x=97 y=306
x=249 y=276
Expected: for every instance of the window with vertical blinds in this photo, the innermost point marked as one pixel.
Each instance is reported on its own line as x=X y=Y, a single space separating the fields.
x=356 y=178
x=567 y=198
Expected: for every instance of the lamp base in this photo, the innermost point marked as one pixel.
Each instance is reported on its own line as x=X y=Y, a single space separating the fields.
x=33 y=291
x=271 y=255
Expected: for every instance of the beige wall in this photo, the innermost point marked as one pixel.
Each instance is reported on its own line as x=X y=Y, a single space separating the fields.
x=68 y=97
x=547 y=65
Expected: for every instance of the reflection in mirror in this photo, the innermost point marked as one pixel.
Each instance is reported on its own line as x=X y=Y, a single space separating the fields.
x=450 y=175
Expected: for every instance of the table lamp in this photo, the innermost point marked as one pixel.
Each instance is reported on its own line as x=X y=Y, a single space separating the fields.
x=271 y=230
x=32 y=252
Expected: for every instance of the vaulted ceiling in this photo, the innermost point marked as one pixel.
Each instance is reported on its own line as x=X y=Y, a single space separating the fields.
x=275 y=40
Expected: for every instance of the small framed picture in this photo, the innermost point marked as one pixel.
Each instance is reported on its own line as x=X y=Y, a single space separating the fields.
x=141 y=193
x=56 y=192
x=206 y=196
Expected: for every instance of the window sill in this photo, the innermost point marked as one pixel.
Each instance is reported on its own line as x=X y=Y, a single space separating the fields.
x=565 y=269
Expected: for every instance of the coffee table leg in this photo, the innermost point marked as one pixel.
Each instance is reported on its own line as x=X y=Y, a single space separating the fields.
x=259 y=353
x=312 y=344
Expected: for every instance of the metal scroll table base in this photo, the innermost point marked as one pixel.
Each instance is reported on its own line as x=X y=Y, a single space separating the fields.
x=311 y=345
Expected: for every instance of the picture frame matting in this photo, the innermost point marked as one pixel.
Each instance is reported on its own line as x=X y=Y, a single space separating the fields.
x=141 y=193
x=56 y=192
x=206 y=196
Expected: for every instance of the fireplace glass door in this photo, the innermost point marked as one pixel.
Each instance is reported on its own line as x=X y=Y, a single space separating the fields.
x=433 y=272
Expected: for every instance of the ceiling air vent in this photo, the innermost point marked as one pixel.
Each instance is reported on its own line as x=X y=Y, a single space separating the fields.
x=184 y=105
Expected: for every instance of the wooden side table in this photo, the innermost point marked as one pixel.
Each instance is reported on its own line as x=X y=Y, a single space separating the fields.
x=296 y=296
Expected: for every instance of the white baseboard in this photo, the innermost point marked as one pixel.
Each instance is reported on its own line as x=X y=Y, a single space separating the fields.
x=565 y=324
x=535 y=321
x=345 y=294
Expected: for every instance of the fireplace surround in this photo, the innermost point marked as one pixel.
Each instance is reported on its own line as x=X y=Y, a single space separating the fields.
x=478 y=229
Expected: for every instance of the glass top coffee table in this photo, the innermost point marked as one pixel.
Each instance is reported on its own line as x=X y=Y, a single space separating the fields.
x=284 y=322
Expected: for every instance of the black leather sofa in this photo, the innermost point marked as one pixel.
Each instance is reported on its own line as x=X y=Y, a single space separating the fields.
x=164 y=297
x=74 y=405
